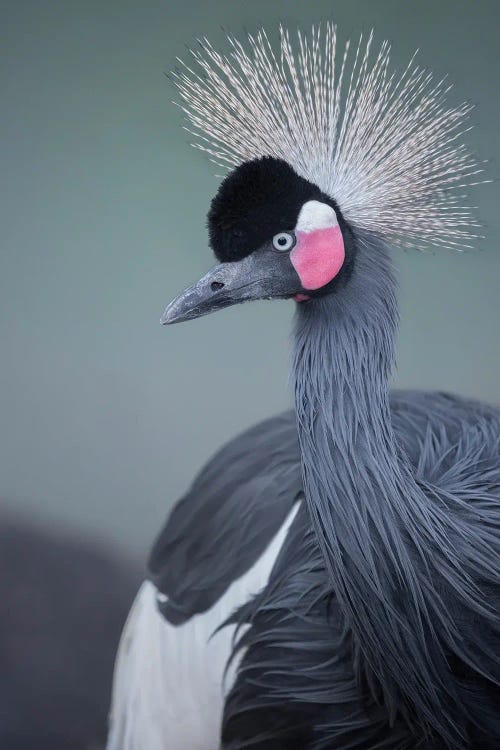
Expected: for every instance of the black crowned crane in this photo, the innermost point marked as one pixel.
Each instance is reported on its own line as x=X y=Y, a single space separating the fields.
x=331 y=579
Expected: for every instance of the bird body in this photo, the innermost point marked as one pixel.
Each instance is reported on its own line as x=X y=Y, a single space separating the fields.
x=331 y=580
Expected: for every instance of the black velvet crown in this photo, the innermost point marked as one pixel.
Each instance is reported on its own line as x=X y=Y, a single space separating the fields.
x=255 y=201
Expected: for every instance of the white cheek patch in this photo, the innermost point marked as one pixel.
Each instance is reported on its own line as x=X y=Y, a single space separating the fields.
x=319 y=252
x=316 y=215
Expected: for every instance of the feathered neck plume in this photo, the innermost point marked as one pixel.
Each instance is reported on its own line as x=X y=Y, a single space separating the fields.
x=386 y=146
x=410 y=563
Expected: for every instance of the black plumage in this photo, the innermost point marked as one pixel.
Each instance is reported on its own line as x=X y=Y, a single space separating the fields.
x=254 y=202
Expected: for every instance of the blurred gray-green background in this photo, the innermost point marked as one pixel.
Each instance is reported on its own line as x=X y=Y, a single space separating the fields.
x=105 y=415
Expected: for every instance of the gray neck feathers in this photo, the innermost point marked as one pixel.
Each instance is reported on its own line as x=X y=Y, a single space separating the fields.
x=388 y=550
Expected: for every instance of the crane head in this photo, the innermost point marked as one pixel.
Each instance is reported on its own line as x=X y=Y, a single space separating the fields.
x=321 y=136
x=276 y=235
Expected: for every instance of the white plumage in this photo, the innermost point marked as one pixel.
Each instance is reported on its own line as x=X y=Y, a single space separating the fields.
x=170 y=682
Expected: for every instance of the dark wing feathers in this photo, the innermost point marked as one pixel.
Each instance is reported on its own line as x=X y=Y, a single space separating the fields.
x=223 y=524
x=221 y=527
x=241 y=497
x=301 y=682
x=297 y=685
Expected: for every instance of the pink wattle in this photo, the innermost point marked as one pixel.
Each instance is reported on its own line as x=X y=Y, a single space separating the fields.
x=318 y=256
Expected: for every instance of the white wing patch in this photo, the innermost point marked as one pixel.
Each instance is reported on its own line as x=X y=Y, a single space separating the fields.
x=169 y=687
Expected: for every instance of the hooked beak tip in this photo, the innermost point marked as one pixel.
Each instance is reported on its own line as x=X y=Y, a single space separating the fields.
x=183 y=307
x=168 y=316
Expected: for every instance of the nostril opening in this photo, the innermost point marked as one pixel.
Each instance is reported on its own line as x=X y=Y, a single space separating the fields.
x=216 y=285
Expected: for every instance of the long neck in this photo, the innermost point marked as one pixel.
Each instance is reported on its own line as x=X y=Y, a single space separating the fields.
x=369 y=513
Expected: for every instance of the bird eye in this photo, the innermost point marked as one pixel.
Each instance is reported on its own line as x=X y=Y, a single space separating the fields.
x=283 y=241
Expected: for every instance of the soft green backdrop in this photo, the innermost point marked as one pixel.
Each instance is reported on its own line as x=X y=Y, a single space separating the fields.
x=105 y=416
